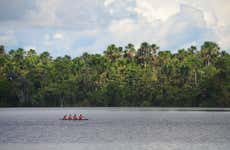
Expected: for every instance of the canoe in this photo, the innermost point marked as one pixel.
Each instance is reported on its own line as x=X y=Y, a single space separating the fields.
x=74 y=119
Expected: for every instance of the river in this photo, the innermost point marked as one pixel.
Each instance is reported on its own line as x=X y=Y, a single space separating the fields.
x=115 y=128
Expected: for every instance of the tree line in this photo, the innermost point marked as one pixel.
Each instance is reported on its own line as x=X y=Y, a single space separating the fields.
x=121 y=76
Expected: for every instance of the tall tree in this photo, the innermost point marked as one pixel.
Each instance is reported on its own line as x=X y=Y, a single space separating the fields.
x=209 y=51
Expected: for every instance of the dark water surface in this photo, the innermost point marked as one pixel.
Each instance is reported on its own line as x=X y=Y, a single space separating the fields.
x=114 y=128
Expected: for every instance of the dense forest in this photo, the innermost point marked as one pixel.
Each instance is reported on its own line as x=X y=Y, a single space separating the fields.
x=121 y=76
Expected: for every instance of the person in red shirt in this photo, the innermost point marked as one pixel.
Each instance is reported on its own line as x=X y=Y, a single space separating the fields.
x=80 y=117
x=75 y=117
x=65 y=117
x=70 y=117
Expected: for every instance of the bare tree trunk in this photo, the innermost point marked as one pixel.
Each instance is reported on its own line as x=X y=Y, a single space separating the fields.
x=195 y=77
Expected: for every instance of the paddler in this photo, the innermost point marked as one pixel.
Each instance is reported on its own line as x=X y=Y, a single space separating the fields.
x=70 y=117
x=65 y=117
x=80 y=117
x=75 y=117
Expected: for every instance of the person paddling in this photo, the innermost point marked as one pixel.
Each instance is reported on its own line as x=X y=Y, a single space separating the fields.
x=65 y=117
x=80 y=117
x=70 y=117
x=75 y=117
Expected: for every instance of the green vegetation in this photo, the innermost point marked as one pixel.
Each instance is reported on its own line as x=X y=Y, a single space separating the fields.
x=120 y=77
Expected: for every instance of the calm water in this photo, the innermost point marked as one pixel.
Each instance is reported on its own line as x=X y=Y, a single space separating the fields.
x=114 y=128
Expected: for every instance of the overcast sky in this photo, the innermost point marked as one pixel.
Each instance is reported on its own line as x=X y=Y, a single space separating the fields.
x=76 y=26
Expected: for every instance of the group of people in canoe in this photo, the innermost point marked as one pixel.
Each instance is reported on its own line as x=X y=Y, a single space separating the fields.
x=73 y=117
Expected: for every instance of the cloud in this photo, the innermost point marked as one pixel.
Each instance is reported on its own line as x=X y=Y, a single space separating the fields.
x=174 y=24
x=74 y=27
x=218 y=9
x=57 y=36
x=153 y=10
x=184 y=27
x=187 y=26
x=223 y=36
x=108 y=2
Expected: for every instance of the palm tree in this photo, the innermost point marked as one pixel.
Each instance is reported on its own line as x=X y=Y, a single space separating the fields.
x=192 y=49
x=153 y=49
x=147 y=53
x=164 y=57
x=113 y=52
x=45 y=57
x=129 y=51
x=209 y=51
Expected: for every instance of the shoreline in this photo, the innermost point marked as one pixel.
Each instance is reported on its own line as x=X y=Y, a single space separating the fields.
x=124 y=108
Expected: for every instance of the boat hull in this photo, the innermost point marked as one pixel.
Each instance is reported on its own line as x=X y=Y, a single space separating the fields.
x=74 y=119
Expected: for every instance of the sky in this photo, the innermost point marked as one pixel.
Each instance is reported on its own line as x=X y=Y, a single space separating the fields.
x=73 y=27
